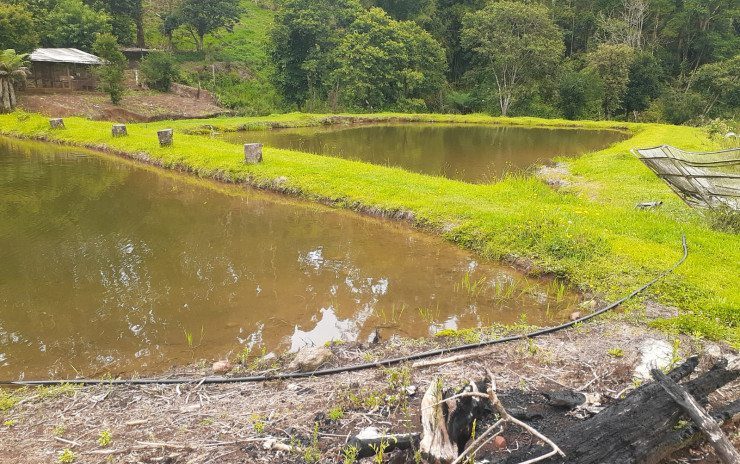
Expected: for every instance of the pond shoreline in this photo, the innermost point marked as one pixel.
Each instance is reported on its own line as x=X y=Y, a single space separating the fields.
x=498 y=221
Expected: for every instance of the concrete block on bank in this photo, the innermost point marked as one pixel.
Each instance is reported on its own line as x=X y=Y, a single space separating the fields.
x=119 y=130
x=165 y=137
x=57 y=123
x=253 y=153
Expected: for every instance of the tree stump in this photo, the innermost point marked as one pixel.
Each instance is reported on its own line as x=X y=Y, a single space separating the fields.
x=165 y=137
x=253 y=153
x=57 y=123
x=119 y=130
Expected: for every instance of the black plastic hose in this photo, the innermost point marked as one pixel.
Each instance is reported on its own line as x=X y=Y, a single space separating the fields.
x=357 y=367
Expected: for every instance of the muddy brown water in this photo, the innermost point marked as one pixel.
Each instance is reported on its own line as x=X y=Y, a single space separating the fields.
x=110 y=267
x=471 y=153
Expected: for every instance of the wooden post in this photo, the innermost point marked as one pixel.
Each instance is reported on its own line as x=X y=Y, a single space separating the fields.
x=253 y=153
x=165 y=137
x=57 y=123
x=119 y=130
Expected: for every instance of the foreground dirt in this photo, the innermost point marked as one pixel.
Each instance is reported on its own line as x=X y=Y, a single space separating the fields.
x=304 y=420
x=136 y=106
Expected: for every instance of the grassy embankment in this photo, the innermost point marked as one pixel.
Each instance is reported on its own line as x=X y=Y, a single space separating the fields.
x=588 y=233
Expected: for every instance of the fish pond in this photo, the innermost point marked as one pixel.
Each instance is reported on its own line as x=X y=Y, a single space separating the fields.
x=112 y=267
x=470 y=153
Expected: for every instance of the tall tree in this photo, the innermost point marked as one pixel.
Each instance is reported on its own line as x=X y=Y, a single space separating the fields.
x=205 y=16
x=517 y=43
x=612 y=64
x=304 y=35
x=383 y=63
x=17 y=29
x=73 y=24
x=126 y=15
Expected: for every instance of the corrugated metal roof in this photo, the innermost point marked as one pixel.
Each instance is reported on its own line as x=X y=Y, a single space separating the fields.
x=63 y=55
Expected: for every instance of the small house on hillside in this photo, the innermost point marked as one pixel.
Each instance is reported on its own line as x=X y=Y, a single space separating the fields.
x=62 y=68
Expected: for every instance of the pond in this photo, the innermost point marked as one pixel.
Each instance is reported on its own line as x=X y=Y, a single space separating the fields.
x=108 y=266
x=470 y=153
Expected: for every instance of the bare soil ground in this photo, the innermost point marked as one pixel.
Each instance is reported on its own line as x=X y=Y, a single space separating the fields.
x=136 y=106
x=310 y=419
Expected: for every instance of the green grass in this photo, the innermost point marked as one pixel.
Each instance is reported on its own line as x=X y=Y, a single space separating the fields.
x=588 y=233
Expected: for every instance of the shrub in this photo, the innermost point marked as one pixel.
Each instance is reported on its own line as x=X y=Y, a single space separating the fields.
x=159 y=71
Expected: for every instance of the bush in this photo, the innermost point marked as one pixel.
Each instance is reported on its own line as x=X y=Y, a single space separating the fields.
x=159 y=71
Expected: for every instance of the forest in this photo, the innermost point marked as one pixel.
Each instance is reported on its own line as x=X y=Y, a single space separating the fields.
x=673 y=61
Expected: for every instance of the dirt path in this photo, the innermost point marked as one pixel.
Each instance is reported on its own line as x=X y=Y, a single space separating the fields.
x=136 y=106
x=275 y=421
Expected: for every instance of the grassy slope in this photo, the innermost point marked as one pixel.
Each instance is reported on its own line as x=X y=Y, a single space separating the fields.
x=588 y=233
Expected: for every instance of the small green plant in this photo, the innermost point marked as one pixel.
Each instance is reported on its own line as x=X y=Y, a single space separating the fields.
x=189 y=336
x=243 y=356
x=349 y=453
x=205 y=422
x=379 y=450
x=9 y=423
x=105 y=438
x=636 y=382
x=675 y=355
x=67 y=456
x=680 y=424
x=471 y=288
x=616 y=352
x=312 y=452
x=259 y=427
x=59 y=430
x=471 y=458
x=336 y=413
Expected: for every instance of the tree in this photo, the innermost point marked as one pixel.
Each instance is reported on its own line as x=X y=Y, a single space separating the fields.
x=111 y=72
x=205 y=16
x=579 y=95
x=12 y=71
x=159 y=71
x=302 y=40
x=612 y=64
x=127 y=18
x=382 y=62
x=644 y=84
x=517 y=43
x=74 y=24
x=17 y=29
x=719 y=82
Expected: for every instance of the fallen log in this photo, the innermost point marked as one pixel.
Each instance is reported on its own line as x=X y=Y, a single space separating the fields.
x=640 y=428
x=699 y=416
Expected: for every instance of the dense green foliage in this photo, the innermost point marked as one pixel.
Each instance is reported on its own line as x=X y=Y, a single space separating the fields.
x=159 y=71
x=636 y=60
x=12 y=72
x=111 y=72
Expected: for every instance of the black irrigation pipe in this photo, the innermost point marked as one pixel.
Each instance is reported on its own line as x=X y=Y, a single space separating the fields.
x=357 y=367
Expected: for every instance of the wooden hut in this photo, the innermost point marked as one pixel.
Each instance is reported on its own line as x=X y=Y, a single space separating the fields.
x=62 y=68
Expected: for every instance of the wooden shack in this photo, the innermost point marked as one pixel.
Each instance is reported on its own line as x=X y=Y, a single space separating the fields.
x=62 y=68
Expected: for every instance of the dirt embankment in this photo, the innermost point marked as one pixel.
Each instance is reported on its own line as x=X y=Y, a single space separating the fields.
x=137 y=106
x=309 y=420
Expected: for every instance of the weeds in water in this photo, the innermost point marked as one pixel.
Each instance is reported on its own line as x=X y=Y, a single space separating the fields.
x=189 y=336
x=470 y=287
x=395 y=316
x=430 y=315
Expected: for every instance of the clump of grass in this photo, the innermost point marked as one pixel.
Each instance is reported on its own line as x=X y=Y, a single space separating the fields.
x=725 y=220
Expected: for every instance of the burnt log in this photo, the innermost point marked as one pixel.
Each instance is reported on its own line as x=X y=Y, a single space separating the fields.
x=370 y=440
x=447 y=420
x=640 y=428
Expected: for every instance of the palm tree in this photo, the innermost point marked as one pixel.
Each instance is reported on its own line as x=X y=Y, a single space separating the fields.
x=12 y=71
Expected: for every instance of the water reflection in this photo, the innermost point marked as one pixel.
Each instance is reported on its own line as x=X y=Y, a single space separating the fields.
x=108 y=267
x=471 y=153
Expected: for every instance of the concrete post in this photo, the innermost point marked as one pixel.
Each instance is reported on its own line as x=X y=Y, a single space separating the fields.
x=165 y=137
x=119 y=130
x=57 y=123
x=253 y=153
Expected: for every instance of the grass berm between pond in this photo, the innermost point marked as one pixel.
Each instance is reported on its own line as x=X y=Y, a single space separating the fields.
x=588 y=232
